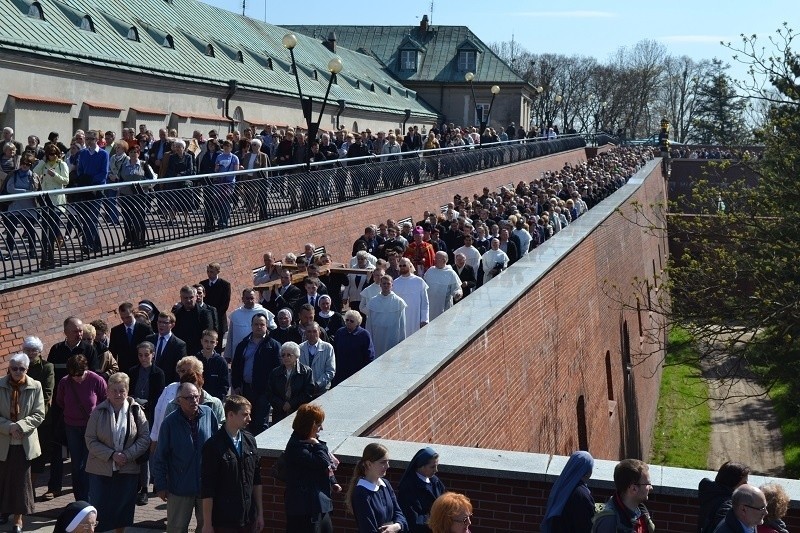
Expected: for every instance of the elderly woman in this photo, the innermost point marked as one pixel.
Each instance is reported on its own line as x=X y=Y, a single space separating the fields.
x=330 y=321
x=77 y=395
x=21 y=412
x=570 y=506
x=117 y=437
x=418 y=489
x=253 y=159
x=451 y=513
x=9 y=160
x=77 y=516
x=310 y=479
x=43 y=372
x=290 y=385
x=777 y=505
x=134 y=199
x=179 y=164
x=22 y=212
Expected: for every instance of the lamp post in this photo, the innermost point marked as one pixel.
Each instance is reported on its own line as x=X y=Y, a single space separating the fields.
x=495 y=90
x=334 y=67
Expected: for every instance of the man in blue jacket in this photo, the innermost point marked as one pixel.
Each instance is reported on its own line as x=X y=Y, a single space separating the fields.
x=92 y=170
x=176 y=463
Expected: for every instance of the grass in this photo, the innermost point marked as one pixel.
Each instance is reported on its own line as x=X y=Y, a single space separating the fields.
x=682 y=436
x=787 y=408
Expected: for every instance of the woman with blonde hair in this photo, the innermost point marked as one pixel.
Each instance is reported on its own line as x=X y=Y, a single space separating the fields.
x=451 y=513
x=117 y=436
x=777 y=505
x=371 y=498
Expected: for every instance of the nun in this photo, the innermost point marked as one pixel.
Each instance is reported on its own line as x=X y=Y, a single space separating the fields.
x=570 y=507
x=418 y=489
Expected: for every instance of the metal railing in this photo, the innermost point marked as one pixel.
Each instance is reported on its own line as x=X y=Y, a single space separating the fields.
x=103 y=220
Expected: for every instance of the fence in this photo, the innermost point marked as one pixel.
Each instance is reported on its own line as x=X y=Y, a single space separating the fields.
x=97 y=222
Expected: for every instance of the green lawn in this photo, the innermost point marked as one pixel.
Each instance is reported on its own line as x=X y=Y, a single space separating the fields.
x=787 y=409
x=682 y=435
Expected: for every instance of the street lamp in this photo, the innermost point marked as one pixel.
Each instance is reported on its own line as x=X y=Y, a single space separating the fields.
x=306 y=103
x=495 y=90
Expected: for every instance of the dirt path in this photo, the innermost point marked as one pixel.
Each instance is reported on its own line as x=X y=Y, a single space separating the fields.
x=745 y=428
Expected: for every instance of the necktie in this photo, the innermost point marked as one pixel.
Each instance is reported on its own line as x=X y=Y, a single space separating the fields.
x=358 y=281
x=159 y=348
x=311 y=355
x=130 y=334
x=312 y=300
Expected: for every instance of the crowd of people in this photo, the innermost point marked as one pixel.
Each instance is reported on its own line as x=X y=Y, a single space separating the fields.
x=144 y=402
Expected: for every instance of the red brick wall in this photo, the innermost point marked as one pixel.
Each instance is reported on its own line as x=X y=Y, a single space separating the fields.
x=517 y=386
x=501 y=505
x=39 y=308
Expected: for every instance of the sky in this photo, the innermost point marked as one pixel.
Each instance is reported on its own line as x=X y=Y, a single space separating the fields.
x=595 y=29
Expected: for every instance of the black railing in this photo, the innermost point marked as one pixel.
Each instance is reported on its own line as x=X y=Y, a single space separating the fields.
x=94 y=223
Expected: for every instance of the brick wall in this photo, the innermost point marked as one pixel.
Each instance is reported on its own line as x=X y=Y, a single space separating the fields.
x=554 y=339
x=40 y=306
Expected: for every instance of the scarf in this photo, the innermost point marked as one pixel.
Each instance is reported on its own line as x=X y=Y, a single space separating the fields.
x=16 y=386
x=119 y=429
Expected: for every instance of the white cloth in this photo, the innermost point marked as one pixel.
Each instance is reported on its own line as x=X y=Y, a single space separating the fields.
x=472 y=254
x=167 y=395
x=355 y=284
x=443 y=285
x=371 y=259
x=240 y=326
x=119 y=425
x=368 y=294
x=525 y=239
x=414 y=292
x=490 y=259
x=387 y=321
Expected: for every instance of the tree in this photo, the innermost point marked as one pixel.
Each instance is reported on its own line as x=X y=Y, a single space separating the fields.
x=735 y=284
x=719 y=111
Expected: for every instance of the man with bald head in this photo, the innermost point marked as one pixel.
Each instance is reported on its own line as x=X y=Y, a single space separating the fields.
x=747 y=513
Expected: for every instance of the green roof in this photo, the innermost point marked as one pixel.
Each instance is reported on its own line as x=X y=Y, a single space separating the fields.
x=438 y=47
x=173 y=42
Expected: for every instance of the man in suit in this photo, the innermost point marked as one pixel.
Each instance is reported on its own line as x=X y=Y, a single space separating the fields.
x=466 y=274
x=158 y=150
x=218 y=296
x=312 y=294
x=169 y=348
x=250 y=380
x=125 y=337
x=202 y=304
x=191 y=320
x=286 y=295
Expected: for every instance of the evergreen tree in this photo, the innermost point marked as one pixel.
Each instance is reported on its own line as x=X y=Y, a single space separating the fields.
x=720 y=111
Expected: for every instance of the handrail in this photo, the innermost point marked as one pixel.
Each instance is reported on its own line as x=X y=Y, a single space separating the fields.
x=40 y=236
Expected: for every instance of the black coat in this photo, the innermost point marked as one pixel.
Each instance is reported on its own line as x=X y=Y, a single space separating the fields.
x=190 y=324
x=715 y=502
x=218 y=296
x=416 y=499
x=229 y=478
x=467 y=275
x=173 y=352
x=119 y=346
x=155 y=386
x=302 y=390
x=268 y=357
x=288 y=299
x=308 y=487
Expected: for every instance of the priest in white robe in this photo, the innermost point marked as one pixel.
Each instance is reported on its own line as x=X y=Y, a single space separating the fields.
x=387 y=318
x=444 y=286
x=494 y=261
x=414 y=292
x=371 y=291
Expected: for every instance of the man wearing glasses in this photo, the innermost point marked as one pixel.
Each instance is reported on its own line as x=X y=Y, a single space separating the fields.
x=748 y=511
x=176 y=463
x=625 y=510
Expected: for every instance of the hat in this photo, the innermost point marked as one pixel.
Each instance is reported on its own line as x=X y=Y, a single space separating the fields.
x=72 y=515
x=419 y=231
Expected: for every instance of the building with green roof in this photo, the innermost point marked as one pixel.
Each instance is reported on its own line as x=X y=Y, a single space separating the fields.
x=433 y=60
x=69 y=64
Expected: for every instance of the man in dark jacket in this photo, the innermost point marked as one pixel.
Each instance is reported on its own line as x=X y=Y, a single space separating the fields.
x=230 y=477
x=125 y=337
x=625 y=510
x=748 y=511
x=191 y=320
x=253 y=360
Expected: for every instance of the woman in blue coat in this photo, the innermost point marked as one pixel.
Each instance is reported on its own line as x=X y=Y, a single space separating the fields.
x=371 y=498
x=418 y=489
x=570 y=507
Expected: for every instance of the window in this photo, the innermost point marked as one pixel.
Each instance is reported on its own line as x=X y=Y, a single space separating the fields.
x=466 y=60
x=239 y=56
x=408 y=60
x=168 y=42
x=133 y=34
x=481 y=113
x=210 y=50
x=269 y=63
x=35 y=11
x=583 y=433
x=87 y=24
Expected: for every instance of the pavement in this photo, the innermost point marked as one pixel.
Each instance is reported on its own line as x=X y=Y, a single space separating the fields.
x=149 y=518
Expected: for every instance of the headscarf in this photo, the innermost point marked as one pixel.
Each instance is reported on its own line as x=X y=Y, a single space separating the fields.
x=71 y=516
x=580 y=463
x=421 y=458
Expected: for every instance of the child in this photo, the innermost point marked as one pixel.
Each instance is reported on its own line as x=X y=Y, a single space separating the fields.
x=215 y=368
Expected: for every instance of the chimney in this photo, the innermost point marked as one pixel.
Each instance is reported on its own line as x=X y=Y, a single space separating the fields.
x=330 y=42
x=423 y=24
